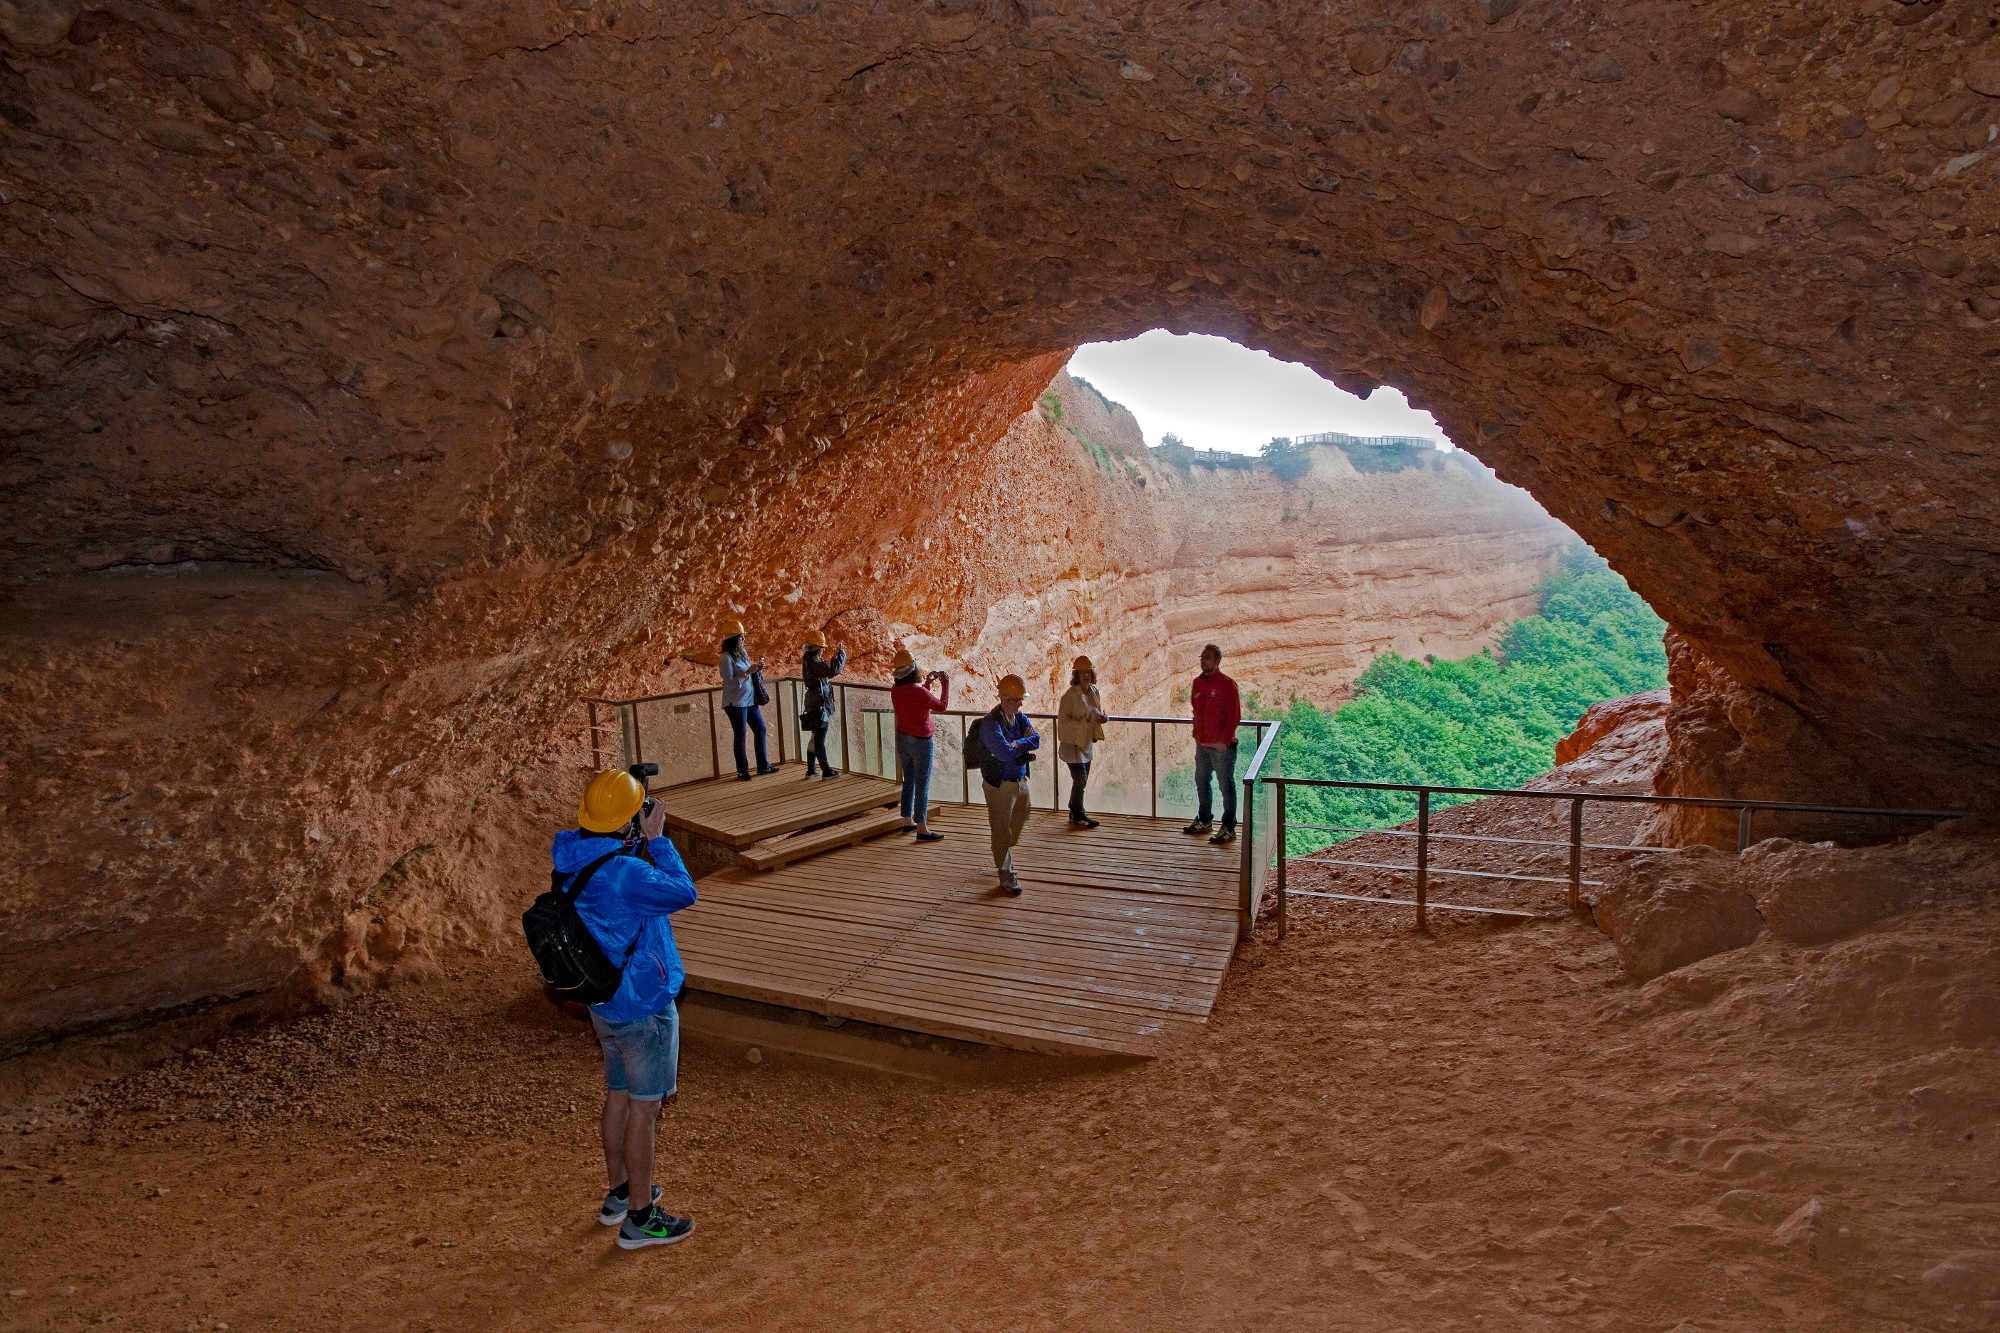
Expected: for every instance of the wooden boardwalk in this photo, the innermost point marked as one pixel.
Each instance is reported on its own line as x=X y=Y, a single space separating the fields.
x=737 y=813
x=1118 y=944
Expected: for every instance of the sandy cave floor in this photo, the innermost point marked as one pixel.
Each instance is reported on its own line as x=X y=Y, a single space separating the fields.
x=1480 y=1128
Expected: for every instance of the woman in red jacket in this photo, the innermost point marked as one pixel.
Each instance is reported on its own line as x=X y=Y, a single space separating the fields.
x=914 y=704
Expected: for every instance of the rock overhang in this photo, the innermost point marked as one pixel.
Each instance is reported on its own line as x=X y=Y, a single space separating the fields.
x=563 y=327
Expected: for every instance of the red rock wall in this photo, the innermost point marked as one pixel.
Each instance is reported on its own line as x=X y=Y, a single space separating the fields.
x=539 y=334
x=1301 y=582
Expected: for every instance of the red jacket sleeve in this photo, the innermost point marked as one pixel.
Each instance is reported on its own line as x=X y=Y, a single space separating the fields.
x=1232 y=712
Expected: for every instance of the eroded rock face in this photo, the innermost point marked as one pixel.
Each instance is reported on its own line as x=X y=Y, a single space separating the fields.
x=556 y=334
x=1302 y=582
x=1668 y=909
x=1615 y=720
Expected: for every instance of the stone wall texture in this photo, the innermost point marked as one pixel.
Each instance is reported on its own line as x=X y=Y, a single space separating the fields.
x=375 y=379
x=1302 y=582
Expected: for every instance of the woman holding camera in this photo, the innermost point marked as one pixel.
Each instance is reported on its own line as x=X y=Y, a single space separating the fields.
x=915 y=738
x=741 y=678
x=817 y=712
x=1080 y=719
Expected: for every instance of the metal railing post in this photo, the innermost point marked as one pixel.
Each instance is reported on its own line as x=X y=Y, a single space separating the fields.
x=1247 y=866
x=964 y=773
x=1576 y=855
x=1153 y=763
x=1742 y=829
x=714 y=740
x=846 y=763
x=1278 y=807
x=1423 y=855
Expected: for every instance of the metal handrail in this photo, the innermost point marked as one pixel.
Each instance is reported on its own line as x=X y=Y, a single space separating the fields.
x=1565 y=793
x=1252 y=865
x=1746 y=808
x=1250 y=883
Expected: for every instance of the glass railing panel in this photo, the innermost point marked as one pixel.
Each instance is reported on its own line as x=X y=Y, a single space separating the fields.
x=682 y=733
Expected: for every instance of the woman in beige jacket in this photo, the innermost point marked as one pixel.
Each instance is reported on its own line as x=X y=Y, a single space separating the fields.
x=1080 y=722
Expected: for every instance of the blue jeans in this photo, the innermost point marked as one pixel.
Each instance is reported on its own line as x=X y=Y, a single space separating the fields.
x=753 y=718
x=913 y=755
x=1215 y=761
x=816 y=750
x=642 y=1058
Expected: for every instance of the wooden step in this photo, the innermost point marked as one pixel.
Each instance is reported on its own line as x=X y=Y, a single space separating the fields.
x=739 y=814
x=773 y=853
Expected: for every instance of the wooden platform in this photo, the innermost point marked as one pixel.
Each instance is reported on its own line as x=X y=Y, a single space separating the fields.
x=1118 y=944
x=737 y=813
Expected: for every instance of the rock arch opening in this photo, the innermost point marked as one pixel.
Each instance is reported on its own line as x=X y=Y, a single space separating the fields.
x=381 y=378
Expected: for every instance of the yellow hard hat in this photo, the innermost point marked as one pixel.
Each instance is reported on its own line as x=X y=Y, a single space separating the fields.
x=903 y=660
x=1013 y=687
x=611 y=799
x=816 y=638
x=1081 y=664
x=729 y=628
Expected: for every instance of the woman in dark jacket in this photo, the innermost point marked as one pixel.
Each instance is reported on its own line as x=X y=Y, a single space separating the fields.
x=817 y=713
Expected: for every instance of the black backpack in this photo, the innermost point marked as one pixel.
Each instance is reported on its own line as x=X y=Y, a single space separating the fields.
x=573 y=964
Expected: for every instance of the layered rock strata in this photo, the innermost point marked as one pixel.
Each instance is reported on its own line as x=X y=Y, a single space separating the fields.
x=1301 y=581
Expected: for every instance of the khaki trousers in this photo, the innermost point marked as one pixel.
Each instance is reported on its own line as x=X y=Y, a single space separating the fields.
x=1006 y=815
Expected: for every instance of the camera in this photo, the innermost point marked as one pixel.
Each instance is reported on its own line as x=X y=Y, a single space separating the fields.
x=641 y=772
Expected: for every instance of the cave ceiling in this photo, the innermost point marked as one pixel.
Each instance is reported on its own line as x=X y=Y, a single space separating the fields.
x=435 y=296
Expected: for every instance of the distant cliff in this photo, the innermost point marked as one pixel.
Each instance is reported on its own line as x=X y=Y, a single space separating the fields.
x=1301 y=582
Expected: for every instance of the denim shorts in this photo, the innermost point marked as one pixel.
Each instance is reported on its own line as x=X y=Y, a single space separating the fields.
x=642 y=1058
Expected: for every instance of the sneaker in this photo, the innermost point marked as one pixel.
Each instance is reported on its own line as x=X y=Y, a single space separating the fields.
x=614 y=1209
x=1198 y=827
x=766 y=771
x=1085 y=822
x=655 y=1226
x=1011 y=887
x=829 y=775
x=1225 y=834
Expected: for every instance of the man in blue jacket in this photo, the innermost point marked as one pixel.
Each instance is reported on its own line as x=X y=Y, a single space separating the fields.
x=626 y=905
x=1011 y=741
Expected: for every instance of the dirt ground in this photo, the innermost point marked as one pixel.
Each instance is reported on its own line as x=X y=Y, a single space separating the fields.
x=1483 y=1127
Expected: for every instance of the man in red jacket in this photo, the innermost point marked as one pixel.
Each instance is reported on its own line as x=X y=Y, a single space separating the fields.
x=1218 y=710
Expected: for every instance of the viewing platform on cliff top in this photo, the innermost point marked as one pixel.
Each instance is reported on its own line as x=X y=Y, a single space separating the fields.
x=809 y=897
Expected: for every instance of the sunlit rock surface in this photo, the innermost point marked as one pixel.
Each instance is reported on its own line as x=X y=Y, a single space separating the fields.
x=1301 y=581
x=542 y=338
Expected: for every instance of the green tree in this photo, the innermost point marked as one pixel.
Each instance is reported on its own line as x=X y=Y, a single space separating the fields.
x=1491 y=720
x=1288 y=460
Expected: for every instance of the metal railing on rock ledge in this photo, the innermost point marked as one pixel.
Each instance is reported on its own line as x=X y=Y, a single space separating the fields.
x=1576 y=846
x=683 y=732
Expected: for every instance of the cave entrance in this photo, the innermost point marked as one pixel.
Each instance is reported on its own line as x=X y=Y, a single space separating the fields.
x=1409 y=616
x=1340 y=550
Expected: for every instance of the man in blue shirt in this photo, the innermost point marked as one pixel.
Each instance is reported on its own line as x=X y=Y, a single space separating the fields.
x=625 y=906
x=1011 y=741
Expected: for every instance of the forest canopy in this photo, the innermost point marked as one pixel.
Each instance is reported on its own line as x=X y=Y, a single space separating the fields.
x=1492 y=720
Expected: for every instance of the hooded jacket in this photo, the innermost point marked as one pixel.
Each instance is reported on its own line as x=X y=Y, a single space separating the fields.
x=625 y=906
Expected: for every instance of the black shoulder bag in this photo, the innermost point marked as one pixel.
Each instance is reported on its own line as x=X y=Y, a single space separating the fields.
x=572 y=962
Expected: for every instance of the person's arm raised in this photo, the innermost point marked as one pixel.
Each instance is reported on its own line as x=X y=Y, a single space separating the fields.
x=664 y=886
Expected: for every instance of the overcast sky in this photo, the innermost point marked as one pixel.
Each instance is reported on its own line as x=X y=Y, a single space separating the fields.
x=1217 y=395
